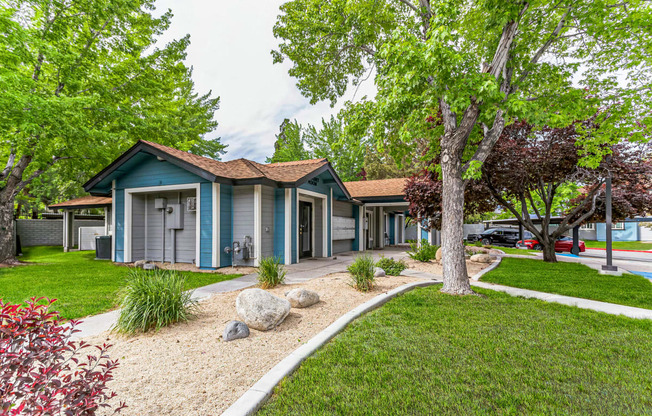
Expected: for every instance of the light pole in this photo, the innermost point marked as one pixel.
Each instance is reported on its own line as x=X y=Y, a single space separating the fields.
x=609 y=266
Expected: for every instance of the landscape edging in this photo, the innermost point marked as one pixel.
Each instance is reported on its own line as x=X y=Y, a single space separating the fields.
x=258 y=394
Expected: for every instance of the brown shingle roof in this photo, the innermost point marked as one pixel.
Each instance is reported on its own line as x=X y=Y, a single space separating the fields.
x=377 y=188
x=246 y=169
x=84 y=201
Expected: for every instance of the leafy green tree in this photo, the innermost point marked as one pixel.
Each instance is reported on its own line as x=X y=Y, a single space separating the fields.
x=460 y=70
x=290 y=144
x=81 y=81
x=343 y=150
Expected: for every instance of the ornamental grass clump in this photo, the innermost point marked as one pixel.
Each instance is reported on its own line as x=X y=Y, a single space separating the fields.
x=152 y=300
x=390 y=266
x=423 y=252
x=271 y=272
x=362 y=272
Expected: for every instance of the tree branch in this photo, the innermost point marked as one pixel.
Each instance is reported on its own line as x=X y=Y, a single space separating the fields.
x=10 y=164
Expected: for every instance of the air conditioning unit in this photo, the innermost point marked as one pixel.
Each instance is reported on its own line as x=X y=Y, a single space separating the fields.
x=191 y=203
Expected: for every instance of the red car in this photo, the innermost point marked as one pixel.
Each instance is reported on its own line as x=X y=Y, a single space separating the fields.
x=562 y=244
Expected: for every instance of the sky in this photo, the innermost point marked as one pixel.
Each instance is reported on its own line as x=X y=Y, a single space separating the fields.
x=230 y=54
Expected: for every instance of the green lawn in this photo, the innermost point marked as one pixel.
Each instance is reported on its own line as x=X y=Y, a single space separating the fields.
x=619 y=245
x=430 y=353
x=511 y=250
x=82 y=285
x=572 y=279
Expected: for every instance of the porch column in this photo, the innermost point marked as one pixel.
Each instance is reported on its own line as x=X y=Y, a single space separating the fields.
x=68 y=238
x=362 y=242
x=257 y=224
x=287 y=252
x=381 y=227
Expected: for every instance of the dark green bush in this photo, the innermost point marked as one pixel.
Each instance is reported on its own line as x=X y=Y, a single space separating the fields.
x=362 y=270
x=423 y=253
x=152 y=300
x=271 y=272
x=391 y=266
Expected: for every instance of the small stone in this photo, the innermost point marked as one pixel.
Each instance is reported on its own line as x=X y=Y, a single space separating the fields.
x=140 y=263
x=235 y=330
x=474 y=249
x=378 y=272
x=438 y=254
x=150 y=266
x=260 y=309
x=481 y=258
x=302 y=298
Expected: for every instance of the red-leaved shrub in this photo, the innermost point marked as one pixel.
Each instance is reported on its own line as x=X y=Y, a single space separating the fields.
x=41 y=369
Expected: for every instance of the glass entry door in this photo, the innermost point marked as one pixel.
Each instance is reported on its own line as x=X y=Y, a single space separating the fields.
x=305 y=229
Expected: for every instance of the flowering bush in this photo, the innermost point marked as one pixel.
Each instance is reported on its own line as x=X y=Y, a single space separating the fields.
x=41 y=372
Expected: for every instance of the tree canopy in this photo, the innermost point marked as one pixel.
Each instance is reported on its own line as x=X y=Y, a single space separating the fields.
x=81 y=81
x=455 y=72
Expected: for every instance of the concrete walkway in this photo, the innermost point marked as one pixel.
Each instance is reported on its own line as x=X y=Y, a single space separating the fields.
x=307 y=269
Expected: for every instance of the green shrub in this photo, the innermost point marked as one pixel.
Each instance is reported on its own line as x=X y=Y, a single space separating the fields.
x=425 y=252
x=478 y=243
x=270 y=272
x=391 y=266
x=152 y=300
x=362 y=270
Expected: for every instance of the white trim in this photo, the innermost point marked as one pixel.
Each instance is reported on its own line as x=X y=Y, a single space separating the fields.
x=324 y=199
x=387 y=204
x=127 y=215
x=362 y=243
x=419 y=234
x=113 y=227
x=215 y=261
x=258 y=213
x=288 y=226
x=396 y=220
x=330 y=243
x=106 y=221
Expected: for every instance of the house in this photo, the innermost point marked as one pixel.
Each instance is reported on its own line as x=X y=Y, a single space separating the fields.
x=174 y=206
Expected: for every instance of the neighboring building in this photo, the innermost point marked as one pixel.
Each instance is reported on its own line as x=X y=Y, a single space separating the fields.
x=173 y=206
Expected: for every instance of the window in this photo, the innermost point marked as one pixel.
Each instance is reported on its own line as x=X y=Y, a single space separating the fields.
x=588 y=226
x=618 y=226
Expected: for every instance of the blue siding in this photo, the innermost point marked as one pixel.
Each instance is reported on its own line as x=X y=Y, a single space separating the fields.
x=206 y=225
x=294 y=229
x=392 y=222
x=356 y=216
x=424 y=234
x=226 y=223
x=119 y=225
x=324 y=189
x=279 y=224
x=630 y=233
x=152 y=172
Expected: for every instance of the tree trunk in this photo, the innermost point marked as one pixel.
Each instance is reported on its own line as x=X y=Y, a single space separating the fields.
x=549 y=255
x=7 y=246
x=456 y=280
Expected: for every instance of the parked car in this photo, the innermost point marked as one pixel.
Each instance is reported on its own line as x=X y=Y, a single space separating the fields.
x=498 y=237
x=561 y=245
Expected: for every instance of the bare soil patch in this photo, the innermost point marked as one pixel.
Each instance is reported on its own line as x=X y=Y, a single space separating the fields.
x=187 y=368
x=434 y=267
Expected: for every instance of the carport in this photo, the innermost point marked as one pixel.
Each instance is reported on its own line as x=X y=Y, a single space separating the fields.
x=85 y=202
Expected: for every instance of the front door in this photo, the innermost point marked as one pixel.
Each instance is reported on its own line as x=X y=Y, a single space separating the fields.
x=305 y=229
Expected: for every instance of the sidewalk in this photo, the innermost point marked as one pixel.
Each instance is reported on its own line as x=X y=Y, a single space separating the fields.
x=307 y=269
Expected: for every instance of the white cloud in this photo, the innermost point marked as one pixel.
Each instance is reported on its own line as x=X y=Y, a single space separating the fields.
x=230 y=53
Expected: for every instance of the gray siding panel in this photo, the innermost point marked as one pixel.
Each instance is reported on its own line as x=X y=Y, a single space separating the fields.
x=341 y=246
x=138 y=227
x=342 y=209
x=243 y=215
x=267 y=220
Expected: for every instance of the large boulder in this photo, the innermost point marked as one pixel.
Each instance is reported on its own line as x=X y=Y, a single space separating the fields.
x=302 y=298
x=378 y=272
x=438 y=254
x=260 y=309
x=481 y=258
x=476 y=250
x=496 y=252
x=235 y=330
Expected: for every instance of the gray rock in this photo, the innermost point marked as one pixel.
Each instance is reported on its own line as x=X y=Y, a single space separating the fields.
x=260 y=309
x=302 y=298
x=474 y=249
x=481 y=258
x=140 y=263
x=496 y=252
x=378 y=272
x=235 y=330
x=150 y=266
